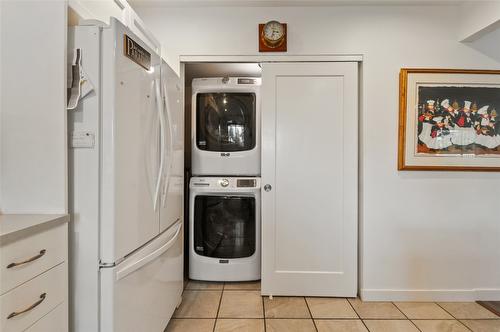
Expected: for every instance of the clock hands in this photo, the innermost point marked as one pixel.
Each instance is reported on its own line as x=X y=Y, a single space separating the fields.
x=273 y=37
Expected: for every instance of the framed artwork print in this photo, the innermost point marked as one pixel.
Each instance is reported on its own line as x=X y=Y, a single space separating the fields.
x=449 y=120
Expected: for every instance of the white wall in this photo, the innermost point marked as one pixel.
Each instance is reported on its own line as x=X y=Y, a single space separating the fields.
x=424 y=235
x=478 y=18
x=32 y=105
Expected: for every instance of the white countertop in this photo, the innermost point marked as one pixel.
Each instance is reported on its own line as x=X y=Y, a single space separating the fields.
x=15 y=223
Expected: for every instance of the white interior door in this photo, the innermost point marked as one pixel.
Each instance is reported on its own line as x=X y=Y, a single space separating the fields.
x=310 y=161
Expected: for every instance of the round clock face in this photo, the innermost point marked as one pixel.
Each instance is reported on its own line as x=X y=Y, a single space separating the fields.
x=273 y=31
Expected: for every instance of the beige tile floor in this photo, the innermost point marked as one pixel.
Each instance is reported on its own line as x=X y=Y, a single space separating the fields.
x=223 y=307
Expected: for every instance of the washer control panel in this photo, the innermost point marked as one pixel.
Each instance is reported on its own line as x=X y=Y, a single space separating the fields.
x=245 y=183
x=218 y=183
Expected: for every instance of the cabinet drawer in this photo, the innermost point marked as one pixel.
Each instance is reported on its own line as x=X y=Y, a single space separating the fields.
x=31 y=256
x=54 y=321
x=34 y=299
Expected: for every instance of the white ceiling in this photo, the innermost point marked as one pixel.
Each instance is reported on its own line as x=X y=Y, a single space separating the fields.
x=277 y=3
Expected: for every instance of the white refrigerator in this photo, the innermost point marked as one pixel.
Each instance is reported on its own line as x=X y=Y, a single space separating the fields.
x=126 y=182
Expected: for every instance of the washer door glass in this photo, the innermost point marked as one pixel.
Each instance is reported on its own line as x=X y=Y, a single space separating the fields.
x=224 y=226
x=225 y=122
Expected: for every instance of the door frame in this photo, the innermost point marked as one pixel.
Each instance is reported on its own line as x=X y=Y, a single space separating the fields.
x=257 y=58
x=271 y=58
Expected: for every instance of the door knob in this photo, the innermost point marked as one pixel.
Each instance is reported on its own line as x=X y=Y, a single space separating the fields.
x=268 y=187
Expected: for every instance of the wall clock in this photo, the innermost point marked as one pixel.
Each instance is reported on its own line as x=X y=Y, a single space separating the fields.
x=272 y=37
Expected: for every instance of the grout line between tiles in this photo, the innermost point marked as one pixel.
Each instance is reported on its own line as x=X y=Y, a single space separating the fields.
x=453 y=316
x=362 y=321
x=218 y=308
x=394 y=304
x=263 y=308
x=245 y=318
x=191 y=318
x=399 y=318
x=401 y=311
x=298 y=318
x=310 y=313
x=446 y=310
x=264 y=313
x=468 y=328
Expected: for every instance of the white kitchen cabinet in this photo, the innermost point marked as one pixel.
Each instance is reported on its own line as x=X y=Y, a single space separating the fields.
x=309 y=176
x=139 y=28
x=33 y=151
x=48 y=244
x=103 y=10
x=54 y=321
x=34 y=273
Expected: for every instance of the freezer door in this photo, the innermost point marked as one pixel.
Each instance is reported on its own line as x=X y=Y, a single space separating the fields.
x=130 y=148
x=141 y=293
x=173 y=175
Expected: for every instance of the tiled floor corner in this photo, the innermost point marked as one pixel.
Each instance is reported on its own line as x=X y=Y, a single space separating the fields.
x=467 y=310
x=226 y=307
x=376 y=310
x=422 y=310
x=324 y=307
x=438 y=325
x=199 y=304
x=483 y=325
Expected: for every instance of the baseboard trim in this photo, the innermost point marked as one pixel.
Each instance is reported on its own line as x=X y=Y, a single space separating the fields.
x=487 y=294
x=464 y=295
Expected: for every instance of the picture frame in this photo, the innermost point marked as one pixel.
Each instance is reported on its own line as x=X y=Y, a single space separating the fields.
x=449 y=120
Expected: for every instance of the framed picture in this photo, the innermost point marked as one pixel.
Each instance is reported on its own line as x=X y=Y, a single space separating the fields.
x=449 y=119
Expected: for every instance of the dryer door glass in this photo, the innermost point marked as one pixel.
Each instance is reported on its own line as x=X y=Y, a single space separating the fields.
x=225 y=122
x=224 y=226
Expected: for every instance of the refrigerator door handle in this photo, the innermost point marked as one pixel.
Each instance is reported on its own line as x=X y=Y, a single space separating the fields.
x=159 y=108
x=171 y=149
x=144 y=260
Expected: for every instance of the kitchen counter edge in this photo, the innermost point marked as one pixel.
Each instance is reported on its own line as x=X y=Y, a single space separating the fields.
x=15 y=225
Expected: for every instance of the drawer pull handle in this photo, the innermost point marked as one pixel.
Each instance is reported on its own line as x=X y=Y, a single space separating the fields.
x=34 y=258
x=31 y=307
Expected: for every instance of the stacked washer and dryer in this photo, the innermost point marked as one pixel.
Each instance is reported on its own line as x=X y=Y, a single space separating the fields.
x=224 y=202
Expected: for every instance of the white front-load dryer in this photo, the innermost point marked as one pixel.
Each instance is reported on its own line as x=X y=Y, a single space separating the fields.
x=224 y=228
x=225 y=132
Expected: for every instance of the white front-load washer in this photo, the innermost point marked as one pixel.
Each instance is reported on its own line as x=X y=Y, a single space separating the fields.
x=224 y=228
x=225 y=132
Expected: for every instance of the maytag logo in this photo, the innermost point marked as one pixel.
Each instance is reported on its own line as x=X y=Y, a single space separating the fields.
x=137 y=53
x=225 y=154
